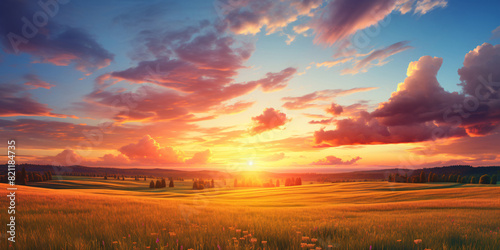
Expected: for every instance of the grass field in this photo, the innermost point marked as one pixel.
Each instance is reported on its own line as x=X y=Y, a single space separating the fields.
x=92 y=213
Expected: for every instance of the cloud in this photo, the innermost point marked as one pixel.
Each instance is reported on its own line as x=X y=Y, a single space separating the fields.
x=421 y=110
x=35 y=82
x=424 y=6
x=420 y=98
x=268 y=120
x=335 y=109
x=342 y=18
x=473 y=147
x=480 y=79
x=330 y=64
x=148 y=150
x=113 y=160
x=249 y=17
x=323 y=121
x=376 y=58
x=368 y=130
x=193 y=69
x=235 y=108
x=200 y=157
x=274 y=157
x=495 y=34
x=276 y=81
x=480 y=68
x=307 y=101
x=48 y=41
x=332 y=160
x=14 y=101
x=67 y=157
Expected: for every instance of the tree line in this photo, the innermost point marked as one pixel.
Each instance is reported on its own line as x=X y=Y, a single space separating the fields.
x=23 y=177
x=432 y=177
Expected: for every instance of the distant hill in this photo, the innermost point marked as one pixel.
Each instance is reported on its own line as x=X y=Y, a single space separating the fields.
x=463 y=170
x=153 y=172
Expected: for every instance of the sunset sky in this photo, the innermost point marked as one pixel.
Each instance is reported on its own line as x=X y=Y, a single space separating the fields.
x=299 y=85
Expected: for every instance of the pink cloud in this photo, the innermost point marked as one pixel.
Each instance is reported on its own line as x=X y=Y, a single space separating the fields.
x=421 y=110
x=53 y=43
x=376 y=58
x=323 y=121
x=200 y=157
x=332 y=160
x=308 y=100
x=35 y=82
x=268 y=120
x=67 y=157
x=193 y=70
x=110 y=159
x=250 y=17
x=15 y=101
x=335 y=109
x=342 y=18
x=234 y=108
x=149 y=150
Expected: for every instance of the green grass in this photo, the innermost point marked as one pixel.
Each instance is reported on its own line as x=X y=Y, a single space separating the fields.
x=90 y=213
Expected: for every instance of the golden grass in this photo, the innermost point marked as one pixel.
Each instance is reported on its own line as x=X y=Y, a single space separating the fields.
x=127 y=214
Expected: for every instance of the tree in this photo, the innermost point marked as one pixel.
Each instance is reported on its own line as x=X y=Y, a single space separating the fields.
x=422 y=177
x=152 y=184
x=163 y=183
x=485 y=179
x=171 y=184
x=195 y=185
x=430 y=177
x=458 y=179
x=277 y=183
x=464 y=179
x=158 y=184
x=144 y=178
x=472 y=180
x=22 y=178
x=123 y=178
x=298 y=181
x=235 y=182
x=212 y=185
x=494 y=179
x=450 y=178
